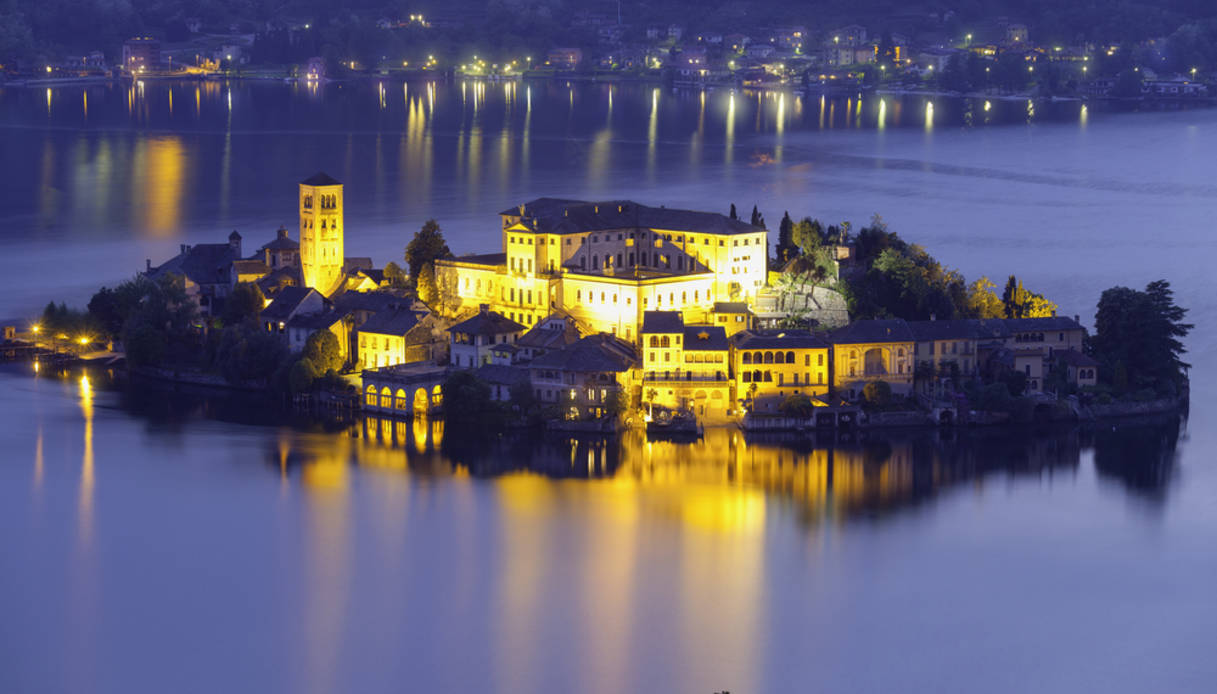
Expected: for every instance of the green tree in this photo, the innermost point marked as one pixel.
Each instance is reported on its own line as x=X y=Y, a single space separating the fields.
x=324 y=352
x=425 y=248
x=1018 y=302
x=145 y=345
x=302 y=375
x=395 y=275
x=786 y=248
x=796 y=405
x=428 y=290
x=758 y=220
x=1138 y=338
x=468 y=406
x=243 y=304
x=983 y=302
x=877 y=393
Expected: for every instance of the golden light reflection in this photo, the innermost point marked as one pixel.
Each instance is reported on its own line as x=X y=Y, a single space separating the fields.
x=48 y=101
x=84 y=98
x=84 y=510
x=161 y=163
x=929 y=116
x=327 y=504
x=1084 y=116
x=39 y=463
x=882 y=114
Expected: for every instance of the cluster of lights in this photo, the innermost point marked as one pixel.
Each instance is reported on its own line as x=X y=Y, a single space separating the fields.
x=479 y=67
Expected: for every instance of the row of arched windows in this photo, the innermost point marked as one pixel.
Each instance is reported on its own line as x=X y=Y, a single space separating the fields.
x=770 y=357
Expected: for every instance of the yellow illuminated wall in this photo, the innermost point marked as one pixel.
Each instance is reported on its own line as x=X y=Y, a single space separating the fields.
x=778 y=373
x=855 y=365
x=321 y=243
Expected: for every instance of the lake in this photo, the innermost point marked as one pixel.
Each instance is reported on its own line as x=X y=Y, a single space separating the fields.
x=190 y=542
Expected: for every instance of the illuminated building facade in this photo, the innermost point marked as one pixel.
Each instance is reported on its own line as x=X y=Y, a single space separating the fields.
x=771 y=366
x=321 y=230
x=473 y=340
x=606 y=263
x=685 y=366
x=873 y=350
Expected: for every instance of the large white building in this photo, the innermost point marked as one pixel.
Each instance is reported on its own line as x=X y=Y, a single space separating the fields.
x=606 y=263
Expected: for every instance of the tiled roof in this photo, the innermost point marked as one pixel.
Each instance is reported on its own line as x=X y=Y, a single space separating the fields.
x=731 y=307
x=491 y=259
x=250 y=267
x=356 y=263
x=501 y=374
x=541 y=336
x=864 y=331
x=203 y=263
x=487 y=323
x=269 y=284
x=777 y=339
x=321 y=179
x=367 y=301
x=392 y=321
x=594 y=353
x=662 y=322
x=286 y=301
x=560 y=216
x=705 y=337
x=315 y=321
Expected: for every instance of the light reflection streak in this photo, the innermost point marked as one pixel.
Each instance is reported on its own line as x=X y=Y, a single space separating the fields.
x=729 y=139
x=84 y=510
x=653 y=132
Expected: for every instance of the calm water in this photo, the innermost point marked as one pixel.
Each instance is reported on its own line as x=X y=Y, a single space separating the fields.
x=170 y=542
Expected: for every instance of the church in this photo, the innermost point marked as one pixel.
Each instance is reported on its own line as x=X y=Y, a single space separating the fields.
x=317 y=261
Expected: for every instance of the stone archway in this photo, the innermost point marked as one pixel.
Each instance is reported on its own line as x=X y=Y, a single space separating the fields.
x=421 y=401
x=875 y=362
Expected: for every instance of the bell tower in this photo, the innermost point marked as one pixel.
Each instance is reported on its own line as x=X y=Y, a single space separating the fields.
x=321 y=229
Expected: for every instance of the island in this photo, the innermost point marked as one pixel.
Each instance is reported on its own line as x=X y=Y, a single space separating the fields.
x=594 y=316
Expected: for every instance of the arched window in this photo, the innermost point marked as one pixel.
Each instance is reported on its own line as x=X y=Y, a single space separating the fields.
x=747 y=358
x=747 y=377
x=757 y=359
x=900 y=352
x=654 y=341
x=790 y=357
x=768 y=357
x=595 y=261
x=665 y=342
x=370 y=400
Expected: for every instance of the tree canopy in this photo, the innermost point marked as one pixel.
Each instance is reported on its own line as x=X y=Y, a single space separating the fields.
x=1139 y=338
x=425 y=248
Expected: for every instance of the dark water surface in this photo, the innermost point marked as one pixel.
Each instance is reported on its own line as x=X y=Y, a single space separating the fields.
x=167 y=542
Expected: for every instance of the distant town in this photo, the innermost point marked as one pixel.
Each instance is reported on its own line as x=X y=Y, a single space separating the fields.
x=933 y=51
x=595 y=315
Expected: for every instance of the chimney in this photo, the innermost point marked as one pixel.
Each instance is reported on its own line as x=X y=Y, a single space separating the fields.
x=183 y=248
x=148 y=264
x=1077 y=318
x=483 y=309
x=281 y=232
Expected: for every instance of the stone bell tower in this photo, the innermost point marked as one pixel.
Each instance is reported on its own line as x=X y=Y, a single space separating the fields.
x=321 y=229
